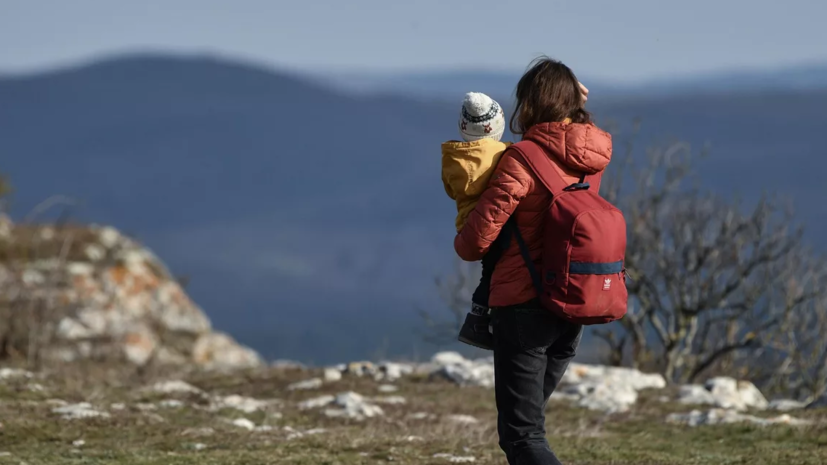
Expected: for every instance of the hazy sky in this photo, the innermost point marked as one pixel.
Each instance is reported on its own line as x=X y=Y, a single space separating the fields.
x=619 y=39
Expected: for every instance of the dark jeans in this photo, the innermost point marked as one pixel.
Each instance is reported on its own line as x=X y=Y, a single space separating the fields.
x=532 y=349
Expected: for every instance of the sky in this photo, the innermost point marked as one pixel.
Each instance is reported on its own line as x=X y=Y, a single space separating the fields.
x=628 y=40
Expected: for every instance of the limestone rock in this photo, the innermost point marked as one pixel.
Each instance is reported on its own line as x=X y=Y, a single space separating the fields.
x=353 y=406
x=220 y=351
x=113 y=299
x=726 y=416
x=308 y=384
x=725 y=393
x=79 y=411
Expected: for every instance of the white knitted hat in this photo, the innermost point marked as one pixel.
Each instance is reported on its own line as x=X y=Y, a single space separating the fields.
x=481 y=118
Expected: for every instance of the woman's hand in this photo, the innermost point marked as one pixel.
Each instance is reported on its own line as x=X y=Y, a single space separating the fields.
x=584 y=92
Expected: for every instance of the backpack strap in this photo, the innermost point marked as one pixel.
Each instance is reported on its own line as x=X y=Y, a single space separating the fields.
x=529 y=263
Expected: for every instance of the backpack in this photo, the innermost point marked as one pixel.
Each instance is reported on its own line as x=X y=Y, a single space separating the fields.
x=583 y=279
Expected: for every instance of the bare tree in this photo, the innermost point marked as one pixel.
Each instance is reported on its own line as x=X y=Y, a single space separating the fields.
x=711 y=280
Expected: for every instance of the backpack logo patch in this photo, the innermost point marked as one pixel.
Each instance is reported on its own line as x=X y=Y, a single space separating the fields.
x=607 y=284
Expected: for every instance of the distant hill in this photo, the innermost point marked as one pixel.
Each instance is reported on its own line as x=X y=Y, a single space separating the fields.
x=453 y=84
x=312 y=222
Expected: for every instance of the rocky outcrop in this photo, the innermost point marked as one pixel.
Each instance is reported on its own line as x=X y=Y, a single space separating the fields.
x=98 y=294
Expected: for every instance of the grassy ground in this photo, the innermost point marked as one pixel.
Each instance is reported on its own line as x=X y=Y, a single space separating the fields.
x=30 y=433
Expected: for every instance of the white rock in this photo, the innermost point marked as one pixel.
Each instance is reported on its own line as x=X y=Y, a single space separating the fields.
x=331 y=375
x=94 y=252
x=390 y=372
x=607 y=398
x=448 y=358
x=220 y=351
x=79 y=443
x=146 y=407
x=387 y=388
x=421 y=416
x=175 y=386
x=462 y=419
x=312 y=383
x=725 y=393
x=9 y=373
x=263 y=429
x=244 y=423
x=171 y=403
x=455 y=459
x=361 y=369
x=80 y=268
x=725 y=416
x=79 y=411
x=118 y=406
x=469 y=373
x=199 y=446
x=244 y=404
x=316 y=402
x=786 y=405
x=354 y=406
x=109 y=237
x=390 y=400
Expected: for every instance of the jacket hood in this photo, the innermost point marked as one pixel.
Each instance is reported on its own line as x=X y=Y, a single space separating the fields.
x=580 y=147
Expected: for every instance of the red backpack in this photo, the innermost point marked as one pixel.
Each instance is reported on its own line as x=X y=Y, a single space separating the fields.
x=582 y=279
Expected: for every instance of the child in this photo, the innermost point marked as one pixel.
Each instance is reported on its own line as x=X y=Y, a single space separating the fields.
x=466 y=169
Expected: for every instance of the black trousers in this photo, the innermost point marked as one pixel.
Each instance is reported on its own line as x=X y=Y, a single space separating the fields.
x=532 y=349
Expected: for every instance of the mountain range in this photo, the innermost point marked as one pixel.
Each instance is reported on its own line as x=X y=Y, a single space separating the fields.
x=309 y=218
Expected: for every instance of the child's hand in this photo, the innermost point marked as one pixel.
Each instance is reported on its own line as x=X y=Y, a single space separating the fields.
x=584 y=92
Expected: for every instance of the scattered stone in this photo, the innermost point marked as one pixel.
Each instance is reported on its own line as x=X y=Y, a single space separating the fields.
x=244 y=404
x=244 y=423
x=263 y=429
x=421 y=416
x=171 y=403
x=390 y=371
x=295 y=434
x=387 y=388
x=5 y=454
x=361 y=369
x=413 y=439
x=174 y=387
x=221 y=352
x=79 y=443
x=56 y=403
x=117 y=406
x=727 y=416
x=313 y=383
x=198 y=432
x=79 y=411
x=146 y=407
x=454 y=367
x=353 y=406
x=455 y=459
x=605 y=396
x=35 y=387
x=199 y=446
x=331 y=375
x=390 y=400
x=786 y=405
x=462 y=419
x=316 y=402
x=9 y=373
x=724 y=393
x=448 y=358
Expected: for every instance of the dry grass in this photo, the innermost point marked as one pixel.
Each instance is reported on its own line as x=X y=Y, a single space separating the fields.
x=31 y=433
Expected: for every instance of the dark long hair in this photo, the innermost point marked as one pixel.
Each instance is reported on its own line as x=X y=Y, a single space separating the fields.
x=548 y=92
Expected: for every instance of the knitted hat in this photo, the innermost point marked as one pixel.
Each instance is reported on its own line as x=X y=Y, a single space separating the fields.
x=481 y=118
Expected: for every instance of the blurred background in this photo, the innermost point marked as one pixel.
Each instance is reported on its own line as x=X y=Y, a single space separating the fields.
x=282 y=158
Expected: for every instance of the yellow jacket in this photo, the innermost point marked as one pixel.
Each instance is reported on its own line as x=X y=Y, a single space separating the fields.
x=466 y=169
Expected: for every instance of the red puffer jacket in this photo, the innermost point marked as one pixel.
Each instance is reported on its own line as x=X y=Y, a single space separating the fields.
x=514 y=189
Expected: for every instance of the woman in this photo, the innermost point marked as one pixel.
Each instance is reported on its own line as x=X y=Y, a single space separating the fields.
x=532 y=347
